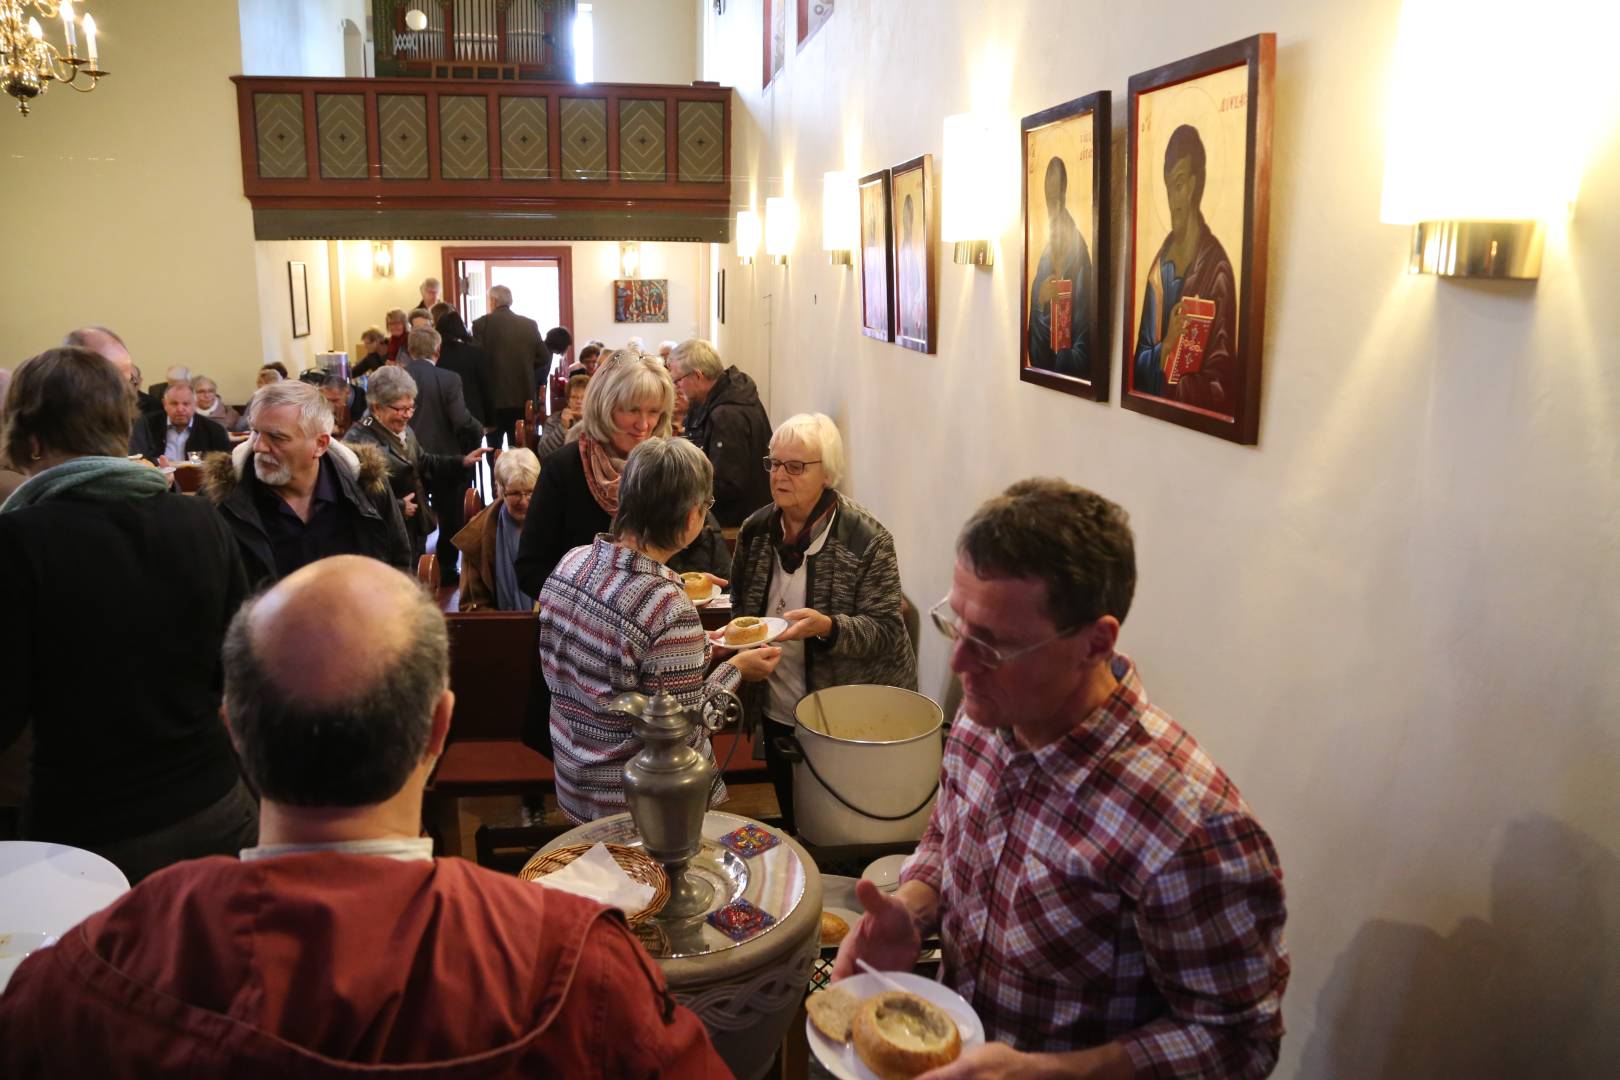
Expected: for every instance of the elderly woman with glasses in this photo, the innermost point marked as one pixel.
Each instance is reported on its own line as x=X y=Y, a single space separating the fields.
x=629 y=400
x=387 y=425
x=827 y=566
x=210 y=404
x=489 y=541
x=615 y=618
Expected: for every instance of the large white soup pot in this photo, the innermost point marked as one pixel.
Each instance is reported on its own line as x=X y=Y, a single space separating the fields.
x=869 y=765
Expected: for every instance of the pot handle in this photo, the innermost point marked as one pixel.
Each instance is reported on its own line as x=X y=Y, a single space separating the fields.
x=788 y=746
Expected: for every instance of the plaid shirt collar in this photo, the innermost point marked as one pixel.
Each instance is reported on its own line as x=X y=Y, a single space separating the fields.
x=1068 y=761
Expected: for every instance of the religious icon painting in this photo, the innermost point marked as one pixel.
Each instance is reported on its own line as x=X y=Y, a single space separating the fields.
x=1063 y=341
x=1199 y=185
x=915 y=229
x=812 y=15
x=776 y=38
x=877 y=281
x=641 y=300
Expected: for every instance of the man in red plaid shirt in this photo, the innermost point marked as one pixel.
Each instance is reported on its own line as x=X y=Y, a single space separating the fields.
x=1104 y=896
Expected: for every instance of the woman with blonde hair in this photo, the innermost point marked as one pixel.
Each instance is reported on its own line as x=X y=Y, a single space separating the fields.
x=630 y=400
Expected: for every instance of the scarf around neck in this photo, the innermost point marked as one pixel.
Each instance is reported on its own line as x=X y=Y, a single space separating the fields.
x=793 y=554
x=602 y=472
x=91 y=477
x=509 y=596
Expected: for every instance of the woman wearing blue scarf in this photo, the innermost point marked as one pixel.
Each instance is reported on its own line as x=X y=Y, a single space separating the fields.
x=130 y=757
x=489 y=541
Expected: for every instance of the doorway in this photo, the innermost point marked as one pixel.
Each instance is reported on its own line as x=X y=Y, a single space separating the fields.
x=541 y=280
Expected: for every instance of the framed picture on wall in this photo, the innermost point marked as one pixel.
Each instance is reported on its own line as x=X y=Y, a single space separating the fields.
x=915 y=227
x=877 y=258
x=641 y=300
x=1064 y=331
x=776 y=38
x=720 y=296
x=812 y=15
x=1199 y=167
x=298 y=289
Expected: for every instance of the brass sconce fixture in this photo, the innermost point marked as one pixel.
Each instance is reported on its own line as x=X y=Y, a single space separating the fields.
x=382 y=258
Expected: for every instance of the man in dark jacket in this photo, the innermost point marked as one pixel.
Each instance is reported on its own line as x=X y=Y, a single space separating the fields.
x=165 y=438
x=443 y=426
x=457 y=353
x=339 y=946
x=516 y=351
x=291 y=495
x=729 y=424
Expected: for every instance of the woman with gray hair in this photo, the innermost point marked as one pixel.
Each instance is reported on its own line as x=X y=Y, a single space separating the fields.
x=210 y=404
x=489 y=542
x=817 y=559
x=614 y=618
x=629 y=400
x=392 y=398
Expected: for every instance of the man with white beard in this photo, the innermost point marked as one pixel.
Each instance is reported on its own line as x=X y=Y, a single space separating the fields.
x=305 y=496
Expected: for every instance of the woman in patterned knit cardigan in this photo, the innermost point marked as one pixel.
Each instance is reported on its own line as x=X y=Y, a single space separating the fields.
x=614 y=618
x=823 y=563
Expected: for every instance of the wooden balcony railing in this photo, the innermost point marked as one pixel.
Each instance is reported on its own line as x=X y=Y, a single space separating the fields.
x=436 y=158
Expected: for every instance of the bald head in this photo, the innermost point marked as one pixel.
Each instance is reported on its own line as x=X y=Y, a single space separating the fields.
x=99 y=339
x=332 y=678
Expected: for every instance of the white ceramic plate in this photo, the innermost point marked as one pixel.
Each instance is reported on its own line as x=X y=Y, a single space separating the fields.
x=841 y=1060
x=714 y=592
x=850 y=919
x=885 y=872
x=774 y=628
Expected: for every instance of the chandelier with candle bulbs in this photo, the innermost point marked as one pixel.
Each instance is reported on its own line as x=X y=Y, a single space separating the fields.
x=29 y=63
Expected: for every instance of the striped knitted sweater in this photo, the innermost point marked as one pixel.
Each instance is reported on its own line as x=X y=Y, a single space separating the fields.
x=612 y=621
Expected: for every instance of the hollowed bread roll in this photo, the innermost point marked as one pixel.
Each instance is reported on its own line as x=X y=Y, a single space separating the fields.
x=745 y=631
x=899 y=1035
x=696 y=585
x=832 y=1011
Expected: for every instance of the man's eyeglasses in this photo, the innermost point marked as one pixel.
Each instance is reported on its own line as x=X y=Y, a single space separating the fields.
x=988 y=655
x=794 y=468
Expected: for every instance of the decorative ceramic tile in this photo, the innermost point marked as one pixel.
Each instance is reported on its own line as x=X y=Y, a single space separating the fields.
x=402 y=130
x=340 y=127
x=463 y=137
x=584 y=138
x=641 y=140
x=278 y=122
x=750 y=840
x=741 y=920
x=524 y=151
x=700 y=139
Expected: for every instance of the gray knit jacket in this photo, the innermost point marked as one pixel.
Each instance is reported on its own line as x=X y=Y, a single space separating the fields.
x=855 y=580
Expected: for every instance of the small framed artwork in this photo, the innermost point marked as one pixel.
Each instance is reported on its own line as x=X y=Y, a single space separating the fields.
x=916 y=240
x=720 y=296
x=1063 y=338
x=641 y=300
x=812 y=15
x=1199 y=168
x=298 y=290
x=877 y=258
x=776 y=38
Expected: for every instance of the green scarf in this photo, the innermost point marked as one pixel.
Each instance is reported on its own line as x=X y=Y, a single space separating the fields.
x=89 y=478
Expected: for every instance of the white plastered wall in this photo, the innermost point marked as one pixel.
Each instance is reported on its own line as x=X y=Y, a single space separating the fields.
x=1395 y=622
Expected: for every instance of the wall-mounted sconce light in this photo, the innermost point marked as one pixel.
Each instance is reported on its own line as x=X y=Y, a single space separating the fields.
x=978 y=184
x=629 y=258
x=781 y=228
x=747 y=236
x=840 y=217
x=416 y=19
x=382 y=258
x=1476 y=160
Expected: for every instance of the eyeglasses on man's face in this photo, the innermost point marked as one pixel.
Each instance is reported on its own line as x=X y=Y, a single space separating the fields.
x=793 y=468
x=986 y=654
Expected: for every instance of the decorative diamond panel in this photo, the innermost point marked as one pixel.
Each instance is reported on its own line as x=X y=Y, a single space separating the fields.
x=340 y=128
x=701 y=144
x=584 y=138
x=463 y=138
x=641 y=140
x=524 y=154
x=278 y=121
x=402 y=129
